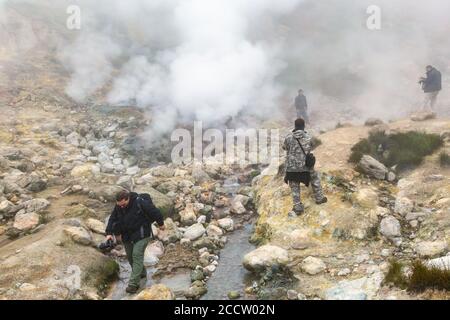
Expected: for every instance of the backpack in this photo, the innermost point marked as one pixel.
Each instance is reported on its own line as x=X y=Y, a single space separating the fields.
x=145 y=197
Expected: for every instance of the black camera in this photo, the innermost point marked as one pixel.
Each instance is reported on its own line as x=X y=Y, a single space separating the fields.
x=107 y=246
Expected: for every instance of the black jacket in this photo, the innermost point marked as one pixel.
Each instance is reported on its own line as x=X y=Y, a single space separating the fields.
x=433 y=81
x=134 y=221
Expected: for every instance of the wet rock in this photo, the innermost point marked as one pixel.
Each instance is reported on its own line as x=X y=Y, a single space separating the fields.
x=205 y=243
x=194 y=232
x=430 y=248
x=390 y=227
x=196 y=290
x=373 y=167
x=79 y=235
x=26 y=221
x=226 y=223
x=96 y=226
x=366 y=198
x=312 y=265
x=237 y=207
x=232 y=295
x=156 y=292
x=403 y=205
x=214 y=231
x=197 y=274
x=266 y=256
x=187 y=215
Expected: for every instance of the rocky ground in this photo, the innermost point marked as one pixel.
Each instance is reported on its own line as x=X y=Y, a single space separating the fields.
x=57 y=186
x=342 y=249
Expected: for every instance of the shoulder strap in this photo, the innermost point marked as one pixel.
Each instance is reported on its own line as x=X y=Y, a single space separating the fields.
x=301 y=147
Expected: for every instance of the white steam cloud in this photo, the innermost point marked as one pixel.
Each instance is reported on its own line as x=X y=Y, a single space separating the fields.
x=210 y=60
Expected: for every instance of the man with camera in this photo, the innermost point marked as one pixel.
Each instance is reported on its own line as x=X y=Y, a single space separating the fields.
x=131 y=220
x=431 y=85
x=300 y=166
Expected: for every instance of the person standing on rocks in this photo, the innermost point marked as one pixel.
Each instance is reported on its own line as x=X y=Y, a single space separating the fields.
x=131 y=219
x=431 y=85
x=301 y=106
x=297 y=145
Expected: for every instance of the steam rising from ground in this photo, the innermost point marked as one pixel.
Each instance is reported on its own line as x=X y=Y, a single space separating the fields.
x=214 y=59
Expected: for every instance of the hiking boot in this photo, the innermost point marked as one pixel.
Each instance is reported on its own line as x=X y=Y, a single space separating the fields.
x=131 y=289
x=292 y=214
x=299 y=209
x=323 y=200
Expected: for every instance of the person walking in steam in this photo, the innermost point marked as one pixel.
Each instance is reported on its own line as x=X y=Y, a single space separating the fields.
x=431 y=85
x=298 y=147
x=301 y=106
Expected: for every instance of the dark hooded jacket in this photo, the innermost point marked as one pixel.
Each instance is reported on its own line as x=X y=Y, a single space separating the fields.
x=433 y=81
x=134 y=221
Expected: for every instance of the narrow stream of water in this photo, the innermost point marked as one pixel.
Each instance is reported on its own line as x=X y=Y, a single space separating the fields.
x=230 y=274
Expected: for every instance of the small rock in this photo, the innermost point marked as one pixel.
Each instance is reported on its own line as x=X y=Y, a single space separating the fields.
x=292 y=295
x=96 y=226
x=26 y=221
x=213 y=230
x=312 y=265
x=390 y=227
x=194 y=232
x=226 y=224
x=403 y=205
x=265 y=257
x=232 y=295
x=79 y=235
x=156 y=292
x=430 y=248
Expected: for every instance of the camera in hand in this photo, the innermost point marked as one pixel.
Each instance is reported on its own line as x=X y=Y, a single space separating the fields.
x=107 y=246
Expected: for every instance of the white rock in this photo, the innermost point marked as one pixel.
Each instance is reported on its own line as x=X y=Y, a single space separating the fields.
x=79 y=235
x=264 y=257
x=226 y=223
x=403 y=205
x=213 y=230
x=430 y=248
x=312 y=265
x=96 y=225
x=194 y=232
x=359 y=289
x=442 y=263
x=390 y=227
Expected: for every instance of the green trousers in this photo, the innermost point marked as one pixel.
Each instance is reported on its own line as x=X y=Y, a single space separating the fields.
x=135 y=256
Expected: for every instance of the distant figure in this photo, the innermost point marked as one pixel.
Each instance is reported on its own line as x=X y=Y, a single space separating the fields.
x=431 y=85
x=298 y=145
x=301 y=106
